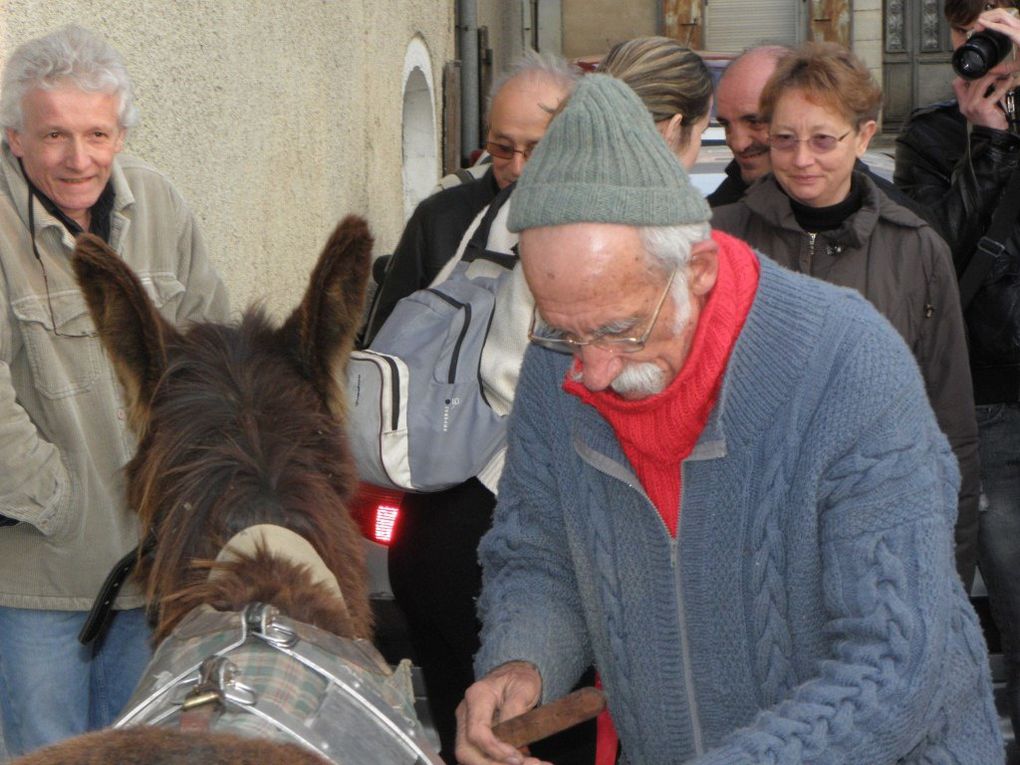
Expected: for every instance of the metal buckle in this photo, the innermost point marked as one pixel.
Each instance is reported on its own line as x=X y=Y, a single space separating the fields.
x=990 y=247
x=262 y=621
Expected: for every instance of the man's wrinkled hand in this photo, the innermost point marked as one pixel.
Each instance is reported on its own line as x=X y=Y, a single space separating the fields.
x=507 y=691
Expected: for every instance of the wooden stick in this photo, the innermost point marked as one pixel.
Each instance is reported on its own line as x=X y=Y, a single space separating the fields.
x=556 y=716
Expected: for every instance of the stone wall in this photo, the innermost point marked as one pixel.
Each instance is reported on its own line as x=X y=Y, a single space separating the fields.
x=273 y=119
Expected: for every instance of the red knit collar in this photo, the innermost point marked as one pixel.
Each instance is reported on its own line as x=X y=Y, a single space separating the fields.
x=659 y=431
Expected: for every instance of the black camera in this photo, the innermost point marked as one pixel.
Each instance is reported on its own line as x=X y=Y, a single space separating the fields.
x=982 y=51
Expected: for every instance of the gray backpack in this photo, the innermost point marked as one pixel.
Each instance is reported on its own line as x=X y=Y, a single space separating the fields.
x=418 y=418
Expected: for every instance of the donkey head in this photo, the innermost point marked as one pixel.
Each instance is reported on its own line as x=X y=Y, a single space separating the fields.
x=237 y=425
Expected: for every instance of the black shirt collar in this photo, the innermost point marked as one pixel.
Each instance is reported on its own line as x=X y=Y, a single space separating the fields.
x=99 y=213
x=818 y=219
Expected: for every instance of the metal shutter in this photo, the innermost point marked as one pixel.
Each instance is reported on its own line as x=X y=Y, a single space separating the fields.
x=733 y=25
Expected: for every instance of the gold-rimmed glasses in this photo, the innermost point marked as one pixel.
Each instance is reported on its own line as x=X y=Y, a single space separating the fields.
x=540 y=334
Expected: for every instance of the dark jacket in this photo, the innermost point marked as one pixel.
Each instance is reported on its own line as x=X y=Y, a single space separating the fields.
x=430 y=238
x=733 y=187
x=902 y=266
x=960 y=195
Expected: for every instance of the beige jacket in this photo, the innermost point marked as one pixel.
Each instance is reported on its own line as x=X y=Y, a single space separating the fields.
x=63 y=431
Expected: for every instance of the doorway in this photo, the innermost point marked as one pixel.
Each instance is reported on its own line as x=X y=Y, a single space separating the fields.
x=915 y=68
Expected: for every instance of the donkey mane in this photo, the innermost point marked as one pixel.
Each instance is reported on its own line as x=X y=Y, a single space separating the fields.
x=235 y=436
x=239 y=425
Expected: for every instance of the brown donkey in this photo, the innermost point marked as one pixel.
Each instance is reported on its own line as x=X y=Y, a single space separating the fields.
x=239 y=425
x=242 y=426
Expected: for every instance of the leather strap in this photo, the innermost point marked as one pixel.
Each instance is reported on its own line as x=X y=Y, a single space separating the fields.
x=991 y=245
x=102 y=607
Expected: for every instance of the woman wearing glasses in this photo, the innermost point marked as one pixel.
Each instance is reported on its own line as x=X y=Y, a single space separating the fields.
x=816 y=214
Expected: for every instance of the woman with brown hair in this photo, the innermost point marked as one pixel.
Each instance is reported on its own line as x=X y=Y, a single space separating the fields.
x=818 y=215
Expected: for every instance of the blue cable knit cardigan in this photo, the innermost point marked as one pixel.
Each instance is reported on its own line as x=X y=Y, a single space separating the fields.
x=808 y=611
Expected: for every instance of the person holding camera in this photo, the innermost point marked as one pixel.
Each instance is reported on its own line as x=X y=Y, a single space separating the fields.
x=961 y=159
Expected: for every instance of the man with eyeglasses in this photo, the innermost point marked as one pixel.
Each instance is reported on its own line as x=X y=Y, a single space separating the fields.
x=66 y=106
x=724 y=486
x=433 y=561
x=521 y=102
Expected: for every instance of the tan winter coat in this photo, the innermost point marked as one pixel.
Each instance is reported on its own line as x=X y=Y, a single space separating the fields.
x=63 y=432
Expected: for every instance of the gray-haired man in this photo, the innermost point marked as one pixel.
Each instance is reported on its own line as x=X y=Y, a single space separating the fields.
x=65 y=107
x=725 y=488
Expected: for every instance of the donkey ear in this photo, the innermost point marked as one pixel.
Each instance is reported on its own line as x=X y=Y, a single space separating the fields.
x=130 y=328
x=323 y=327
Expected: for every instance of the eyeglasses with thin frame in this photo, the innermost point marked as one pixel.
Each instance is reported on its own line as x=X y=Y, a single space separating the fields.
x=820 y=143
x=614 y=343
x=506 y=151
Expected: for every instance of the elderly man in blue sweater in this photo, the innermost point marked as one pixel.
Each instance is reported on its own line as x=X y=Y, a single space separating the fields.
x=725 y=487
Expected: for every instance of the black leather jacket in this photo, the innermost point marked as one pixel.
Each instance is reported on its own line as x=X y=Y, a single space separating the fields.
x=731 y=189
x=960 y=194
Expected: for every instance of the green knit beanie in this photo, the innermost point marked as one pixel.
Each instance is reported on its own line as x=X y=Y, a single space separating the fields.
x=603 y=161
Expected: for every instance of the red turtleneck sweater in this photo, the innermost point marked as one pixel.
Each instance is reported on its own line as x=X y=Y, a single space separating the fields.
x=658 y=432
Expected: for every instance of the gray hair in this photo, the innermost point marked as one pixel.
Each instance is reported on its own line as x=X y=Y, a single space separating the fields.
x=546 y=66
x=72 y=54
x=669 y=247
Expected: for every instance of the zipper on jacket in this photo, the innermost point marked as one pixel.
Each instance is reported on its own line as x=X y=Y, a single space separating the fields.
x=685 y=649
x=811 y=250
x=674 y=555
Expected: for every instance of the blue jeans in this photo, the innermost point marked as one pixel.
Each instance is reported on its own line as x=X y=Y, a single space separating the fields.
x=52 y=687
x=999 y=538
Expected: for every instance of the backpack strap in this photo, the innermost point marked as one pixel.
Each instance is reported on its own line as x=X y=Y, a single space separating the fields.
x=477 y=247
x=992 y=244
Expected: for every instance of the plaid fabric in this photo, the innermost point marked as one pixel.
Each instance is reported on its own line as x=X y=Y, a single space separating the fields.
x=285 y=688
x=283 y=685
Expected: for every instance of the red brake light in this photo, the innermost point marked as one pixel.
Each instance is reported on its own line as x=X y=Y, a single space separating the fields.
x=376 y=510
x=385 y=520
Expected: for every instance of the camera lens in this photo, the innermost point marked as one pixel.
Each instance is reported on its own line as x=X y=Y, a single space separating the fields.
x=982 y=51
